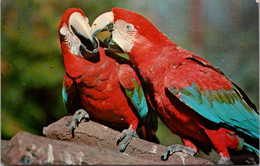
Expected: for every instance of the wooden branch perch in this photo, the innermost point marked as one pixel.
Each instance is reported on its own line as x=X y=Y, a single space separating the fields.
x=93 y=143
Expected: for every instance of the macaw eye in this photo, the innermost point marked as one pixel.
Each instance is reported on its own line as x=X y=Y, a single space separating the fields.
x=129 y=27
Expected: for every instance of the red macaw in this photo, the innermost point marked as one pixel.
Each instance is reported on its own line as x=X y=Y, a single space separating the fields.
x=98 y=87
x=194 y=99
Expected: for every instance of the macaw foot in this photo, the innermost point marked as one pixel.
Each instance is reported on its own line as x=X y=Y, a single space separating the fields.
x=224 y=161
x=128 y=134
x=76 y=119
x=177 y=148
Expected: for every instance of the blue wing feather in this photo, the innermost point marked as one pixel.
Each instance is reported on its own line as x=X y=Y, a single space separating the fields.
x=134 y=91
x=137 y=97
x=64 y=95
x=233 y=112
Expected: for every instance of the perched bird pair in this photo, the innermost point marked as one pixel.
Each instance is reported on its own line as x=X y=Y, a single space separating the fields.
x=98 y=87
x=194 y=99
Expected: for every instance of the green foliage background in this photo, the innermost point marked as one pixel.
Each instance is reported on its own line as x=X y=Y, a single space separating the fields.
x=32 y=66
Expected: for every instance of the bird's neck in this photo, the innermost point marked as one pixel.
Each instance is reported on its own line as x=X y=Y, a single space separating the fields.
x=73 y=63
x=145 y=53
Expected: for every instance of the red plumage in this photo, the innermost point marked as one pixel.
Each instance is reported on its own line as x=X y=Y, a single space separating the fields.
x=93 y=85
x=99 y=90
x=166 y=68
x=181 y=68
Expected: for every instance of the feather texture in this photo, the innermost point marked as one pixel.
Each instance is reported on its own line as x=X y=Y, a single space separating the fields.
x=193 y=98
x=92 y=83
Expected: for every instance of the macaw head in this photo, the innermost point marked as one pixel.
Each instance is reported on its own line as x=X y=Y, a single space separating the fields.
x=130 y=32
x=75 y=36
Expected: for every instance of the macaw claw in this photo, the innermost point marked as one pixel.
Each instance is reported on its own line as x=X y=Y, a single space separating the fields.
x=128 y=134
x=225 y=161
x=77 y=118
x=177 y=148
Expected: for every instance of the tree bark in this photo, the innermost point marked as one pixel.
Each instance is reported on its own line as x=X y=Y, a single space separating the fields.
x=92 y=143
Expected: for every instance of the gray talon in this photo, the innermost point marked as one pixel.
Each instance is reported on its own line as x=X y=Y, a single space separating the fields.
x=177 y=148
x=128 y=134
x=77 y=117
x=165 y=155
x=224 y=161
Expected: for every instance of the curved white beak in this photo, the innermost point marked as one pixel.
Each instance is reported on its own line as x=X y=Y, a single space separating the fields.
x=80 y=25
x=104 y=22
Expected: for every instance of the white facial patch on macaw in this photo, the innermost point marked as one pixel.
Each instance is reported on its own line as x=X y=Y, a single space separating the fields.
x=71 y=40
x=124 y=35
x=77 y=24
